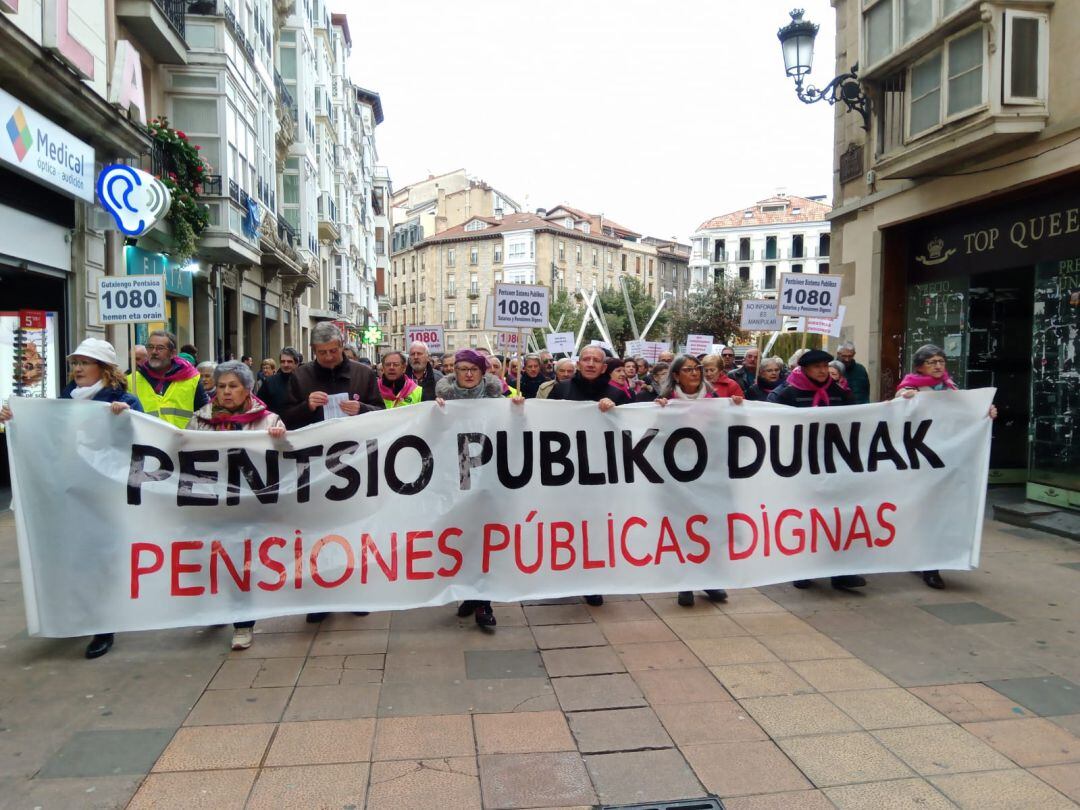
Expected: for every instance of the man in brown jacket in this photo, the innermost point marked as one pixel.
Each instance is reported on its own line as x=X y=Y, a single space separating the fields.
x=330 y=372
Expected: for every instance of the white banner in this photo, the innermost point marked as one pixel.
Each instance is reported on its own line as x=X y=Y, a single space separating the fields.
x=521 y=306
x=560 y=342
x=809 y=295
x=430 y=336
x=126 y=523
x=699 y=344
x=760 y=316
x=823 y=326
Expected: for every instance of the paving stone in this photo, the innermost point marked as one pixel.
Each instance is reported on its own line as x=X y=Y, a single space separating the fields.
x=1005 y=789
x=332 y=702
x=916 y=794
x=597 y=692
x=276 y=645
x=204 y=748
x=425 y=737
x=637 y=632
x=618 y=730
x=347 y=621
x=772 y=624
x=657 y=655
x=744 y=768
x=420 y=665
x=732 y=650
x=107 y=753
x=965 y=613
x=557 y=614
x=663 y=686
x=237 y=673
x=759 y=680
x=934 y=750
x=230 y=707
x=642 y=776
x=794 y=715
x=838 y=674
x=969 y=702
x=443 y=617
x=522 y=733
x=194 y=790
x=278 y=672
x=1065 y=778
x=318 y=742
x=310 y=786
x=1029 y=742
x=796 y=800
x=468 y=697
x=1070 y=722
x=803 y=646
x=669 y=608
x=715 y=625
x=459 y=638
x=1045 y=696
x=85 y=793
x=490 y=664
x=551 y=637
x=633 y=610
x=322 y=671
x=700 y=723
x=350 y=642
x=843 y=759
x=586 y=661
x=535 y=780
x=451 y=782
x=885 y=708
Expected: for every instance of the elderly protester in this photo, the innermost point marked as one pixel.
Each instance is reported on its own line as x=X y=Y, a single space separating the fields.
x=274 y=390
x=422 y=371
x=854 y=373
x=564 y=370
x=470 y=381
x=770 y=377
x=95 y=376
x=658 y=375
x=235 y=407
x=616 y=369
x=395 y=388
x=206 y=376
x=532 y=377
x=169 y=387
x=930 y=374
x=591 y=383
x=836 y=371
x=745 y=374
x=716 y=376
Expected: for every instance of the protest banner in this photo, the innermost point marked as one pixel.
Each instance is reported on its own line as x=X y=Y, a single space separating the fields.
x=654 y=348
x=823 y=326
x=760 y=316
x=127 y=523
x=635 y=348
x=809 y=295
x=431 y=336
x=560 y=342
x=698 y=344
x=510 y=342
x=521 y=306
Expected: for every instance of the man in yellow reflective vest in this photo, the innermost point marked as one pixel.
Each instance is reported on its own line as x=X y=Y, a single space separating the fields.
x=395 y=388
x=168 y=386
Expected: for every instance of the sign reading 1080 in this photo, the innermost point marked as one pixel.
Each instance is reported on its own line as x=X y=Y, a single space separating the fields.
x=521 y=306
x=131 y=299
x=809 y=295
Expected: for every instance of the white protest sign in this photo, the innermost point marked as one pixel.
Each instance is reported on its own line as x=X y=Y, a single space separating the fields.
x=653 y=349
x=760 y=316
x=131 y=299
x=508 y=341
x=560 y=342
x=823 y=326
x=699 y=344
x=415 y=508
x=716 y=348
x=521 y=306
x=603 y=344
x=809 y=294
x=635 y=348
x=489 y=317
x=431 y=336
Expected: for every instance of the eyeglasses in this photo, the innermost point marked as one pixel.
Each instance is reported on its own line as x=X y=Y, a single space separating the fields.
x=154 y=349
x=725 y=354
x=466 y=369
x=690 y=369
x=937 y=361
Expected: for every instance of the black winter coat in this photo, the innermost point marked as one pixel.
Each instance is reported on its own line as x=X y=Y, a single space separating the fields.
x=349 y=377
x=797 y=398
x=427 y=385
x=578 y=389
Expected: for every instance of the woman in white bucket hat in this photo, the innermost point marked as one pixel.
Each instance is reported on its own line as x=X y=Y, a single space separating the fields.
x=96 y=376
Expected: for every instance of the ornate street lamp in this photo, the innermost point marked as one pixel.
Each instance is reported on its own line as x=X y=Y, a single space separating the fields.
x=797 y=42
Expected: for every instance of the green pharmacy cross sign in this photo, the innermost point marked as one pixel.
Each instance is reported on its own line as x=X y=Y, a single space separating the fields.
x=372 y=336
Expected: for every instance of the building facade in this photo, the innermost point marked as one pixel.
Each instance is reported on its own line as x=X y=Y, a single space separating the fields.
x=781 y=234
x=957 y=218
x=446 y=278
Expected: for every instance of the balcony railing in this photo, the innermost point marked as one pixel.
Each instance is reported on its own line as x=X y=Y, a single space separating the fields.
x=451 y=291
x=286 y=232
x=335 y=301
x=211 y=185
x=474 y=322
x=474 y=291
x=176 y=12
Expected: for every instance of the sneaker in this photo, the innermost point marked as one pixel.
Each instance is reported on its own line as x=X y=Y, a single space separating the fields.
x=686 y=598
x=242 y=638
x=716 y=594
x=595 y=601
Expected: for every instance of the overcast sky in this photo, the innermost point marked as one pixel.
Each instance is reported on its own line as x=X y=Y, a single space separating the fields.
x=657 y=113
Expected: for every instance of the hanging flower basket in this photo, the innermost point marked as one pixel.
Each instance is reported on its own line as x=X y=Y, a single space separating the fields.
x=182 y=171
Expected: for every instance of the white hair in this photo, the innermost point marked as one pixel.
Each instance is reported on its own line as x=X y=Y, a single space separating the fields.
x=237 y=368
x=418 y=344
x=846 y=346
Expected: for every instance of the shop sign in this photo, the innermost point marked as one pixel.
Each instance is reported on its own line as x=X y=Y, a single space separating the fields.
x=141 y=262
x=1003 y=237
x=36 y=147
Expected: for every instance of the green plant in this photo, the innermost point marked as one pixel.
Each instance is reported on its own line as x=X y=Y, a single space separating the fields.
x=183 y=171
x=713 y=310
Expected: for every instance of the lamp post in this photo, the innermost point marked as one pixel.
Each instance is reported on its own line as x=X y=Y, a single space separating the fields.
x=797 y=43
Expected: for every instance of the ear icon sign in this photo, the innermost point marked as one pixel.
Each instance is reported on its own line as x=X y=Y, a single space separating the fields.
x=136 y=200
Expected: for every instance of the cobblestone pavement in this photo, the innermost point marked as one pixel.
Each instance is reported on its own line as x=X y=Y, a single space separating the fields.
x=896 y=696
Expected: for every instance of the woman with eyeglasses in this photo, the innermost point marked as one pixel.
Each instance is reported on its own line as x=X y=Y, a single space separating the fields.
x=96 y=376
x=470 y=380
x=686 y=380
x=770 y=377
x=930 y=374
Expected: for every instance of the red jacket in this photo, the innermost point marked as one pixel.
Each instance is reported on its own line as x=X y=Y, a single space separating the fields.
x=727 y=387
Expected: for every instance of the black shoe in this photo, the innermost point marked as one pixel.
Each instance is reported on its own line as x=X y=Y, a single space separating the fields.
x=485 y=617
x=716 y=594
x=595 y=601
x=802 y=584
x=848 y=581
x=99 y=645
x=315 y=618
x=361 y=613
x=934 y=580
x=686 y=598
x=467 y=608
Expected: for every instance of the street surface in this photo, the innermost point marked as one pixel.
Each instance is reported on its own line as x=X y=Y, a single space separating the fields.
x=895 y=696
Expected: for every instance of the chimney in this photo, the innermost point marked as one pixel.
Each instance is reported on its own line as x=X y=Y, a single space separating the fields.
x=541 y=212
x=499 y=213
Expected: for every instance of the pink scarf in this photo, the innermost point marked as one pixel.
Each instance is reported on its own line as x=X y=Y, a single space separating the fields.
x=926 y=381
x=798 y=379
x=228 y=420
x=181 y=370
x=624 y=388
x=387 y=393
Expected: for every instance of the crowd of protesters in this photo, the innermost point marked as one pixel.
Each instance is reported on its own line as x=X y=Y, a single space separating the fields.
x=288 y=393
